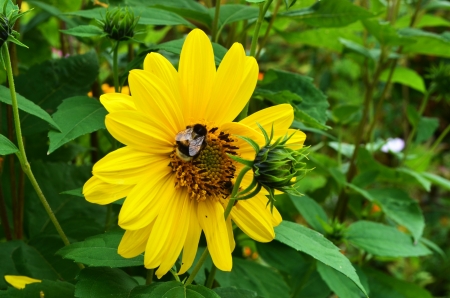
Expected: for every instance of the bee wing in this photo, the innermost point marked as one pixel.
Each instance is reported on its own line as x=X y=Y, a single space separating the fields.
x=184 y=135
x=195 y=145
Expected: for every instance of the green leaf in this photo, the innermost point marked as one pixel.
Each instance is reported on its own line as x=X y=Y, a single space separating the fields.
x=426 y=185
x=27 y=106
x=309 y=103
x=437 y=180
x=426 y=128
x=104 y=282
x=235 y=12
x=78 y=192
x=317 y=246
x=173 y=289
x=426 y=43
x=254 y=1
x=52 y=10
x=382 y=240
x=6 y=146
x=76 y=116
x=405 y=76
x=47 y=84
x=399 y=206
x=357 y=48
x=100 y=250
x=311 y=211
x=339 y=283
x=436 y=4
x=51 y=289
x=280 y=256
x=253 y=277
x=385 y=33
x=427 y=20
x=231 y=292
x=329 y=13
x=84 y=31
x=385 y=286
x=8 y=267
x=347 y=113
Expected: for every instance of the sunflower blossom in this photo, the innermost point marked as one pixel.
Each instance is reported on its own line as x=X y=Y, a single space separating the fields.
x=174 y=169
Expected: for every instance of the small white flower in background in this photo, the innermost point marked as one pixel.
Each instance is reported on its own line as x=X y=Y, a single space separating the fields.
x=393 y=145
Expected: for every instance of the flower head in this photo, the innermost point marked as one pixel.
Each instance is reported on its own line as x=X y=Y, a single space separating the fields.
x=175 y=170
x=119 y=23
x=8 y=17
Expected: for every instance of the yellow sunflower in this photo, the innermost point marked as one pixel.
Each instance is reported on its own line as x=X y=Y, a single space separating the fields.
x=172 y=197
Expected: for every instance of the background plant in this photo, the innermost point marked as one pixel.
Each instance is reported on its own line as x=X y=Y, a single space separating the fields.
x=357 y=73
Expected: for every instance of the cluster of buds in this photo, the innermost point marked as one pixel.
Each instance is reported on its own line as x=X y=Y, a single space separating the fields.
x=276 y=167
x=8 y=17
x=119 y=23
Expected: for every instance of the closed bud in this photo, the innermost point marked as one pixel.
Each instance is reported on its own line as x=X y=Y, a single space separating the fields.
x=440 y=80
x=119 y=23
x=5 y=29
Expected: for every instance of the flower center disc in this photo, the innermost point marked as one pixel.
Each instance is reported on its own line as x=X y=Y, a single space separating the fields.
x=208 y=174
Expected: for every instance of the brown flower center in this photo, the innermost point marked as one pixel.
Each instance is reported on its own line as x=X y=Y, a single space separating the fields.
x=208 y=174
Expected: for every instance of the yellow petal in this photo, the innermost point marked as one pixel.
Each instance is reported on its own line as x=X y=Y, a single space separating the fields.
x=230 y=234
x=163 y=69
x=211 y=219
x=137 y=131
x=227 y=83
x=297 y=140
x=159 y=240
x=261 y=200
x=19 y=281
x=145 y=201
x=99 y=192
x=156 y=101
x=128 y=166
x=133 y=242
x=115 y=102
x=281 y=116
x=252 y=218
x=197 y=71
x=178 y=233
x=191 y=242
x=245 y=151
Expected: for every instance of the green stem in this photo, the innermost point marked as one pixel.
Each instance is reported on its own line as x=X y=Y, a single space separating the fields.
x=116 y=67
x=149 y=279
x=225 y=214
x=269 y=27
x=22 y=155
x=440 y=138
x=263 y=7
x=214 y=35
x=197 y=267
x=212 y=274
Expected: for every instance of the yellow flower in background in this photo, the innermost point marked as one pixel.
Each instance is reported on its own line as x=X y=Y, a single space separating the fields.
x=20 y=281
x=110 y=89
x=175 y=190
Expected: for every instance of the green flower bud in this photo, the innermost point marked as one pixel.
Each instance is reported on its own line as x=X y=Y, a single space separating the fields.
x=276 y=167
x=440 y=80
x=5 y=29
x=119 y=23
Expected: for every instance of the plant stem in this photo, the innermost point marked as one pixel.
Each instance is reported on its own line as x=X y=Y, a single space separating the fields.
x=212 y=274
x=214 y=35
x=4 y=216
x=197 y=267
x=225 y=214
x=116 y=67
x=440 y=138
x=262 y=12
x=149 y=279
x=21 y=154
x=269 y=27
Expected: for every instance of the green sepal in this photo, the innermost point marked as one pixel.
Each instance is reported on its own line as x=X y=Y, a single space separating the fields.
x=17 y=42
x=251 y=142
x=243 y=161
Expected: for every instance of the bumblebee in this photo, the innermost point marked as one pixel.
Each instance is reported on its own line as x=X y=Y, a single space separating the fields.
x=191 y=141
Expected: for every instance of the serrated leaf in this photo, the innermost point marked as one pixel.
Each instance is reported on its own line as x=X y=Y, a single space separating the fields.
x=311 y=211
x=76 y=116
x=6 y=146
x=60 y=289
x=100 y=250
x=309 y=103
x=405 y=76
x=47 y=84
x=386 y=34
x=329 y=13
x=338 y=283
x=27 y=106
x=317 y=246
x=84 y=31
x=382 y=240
